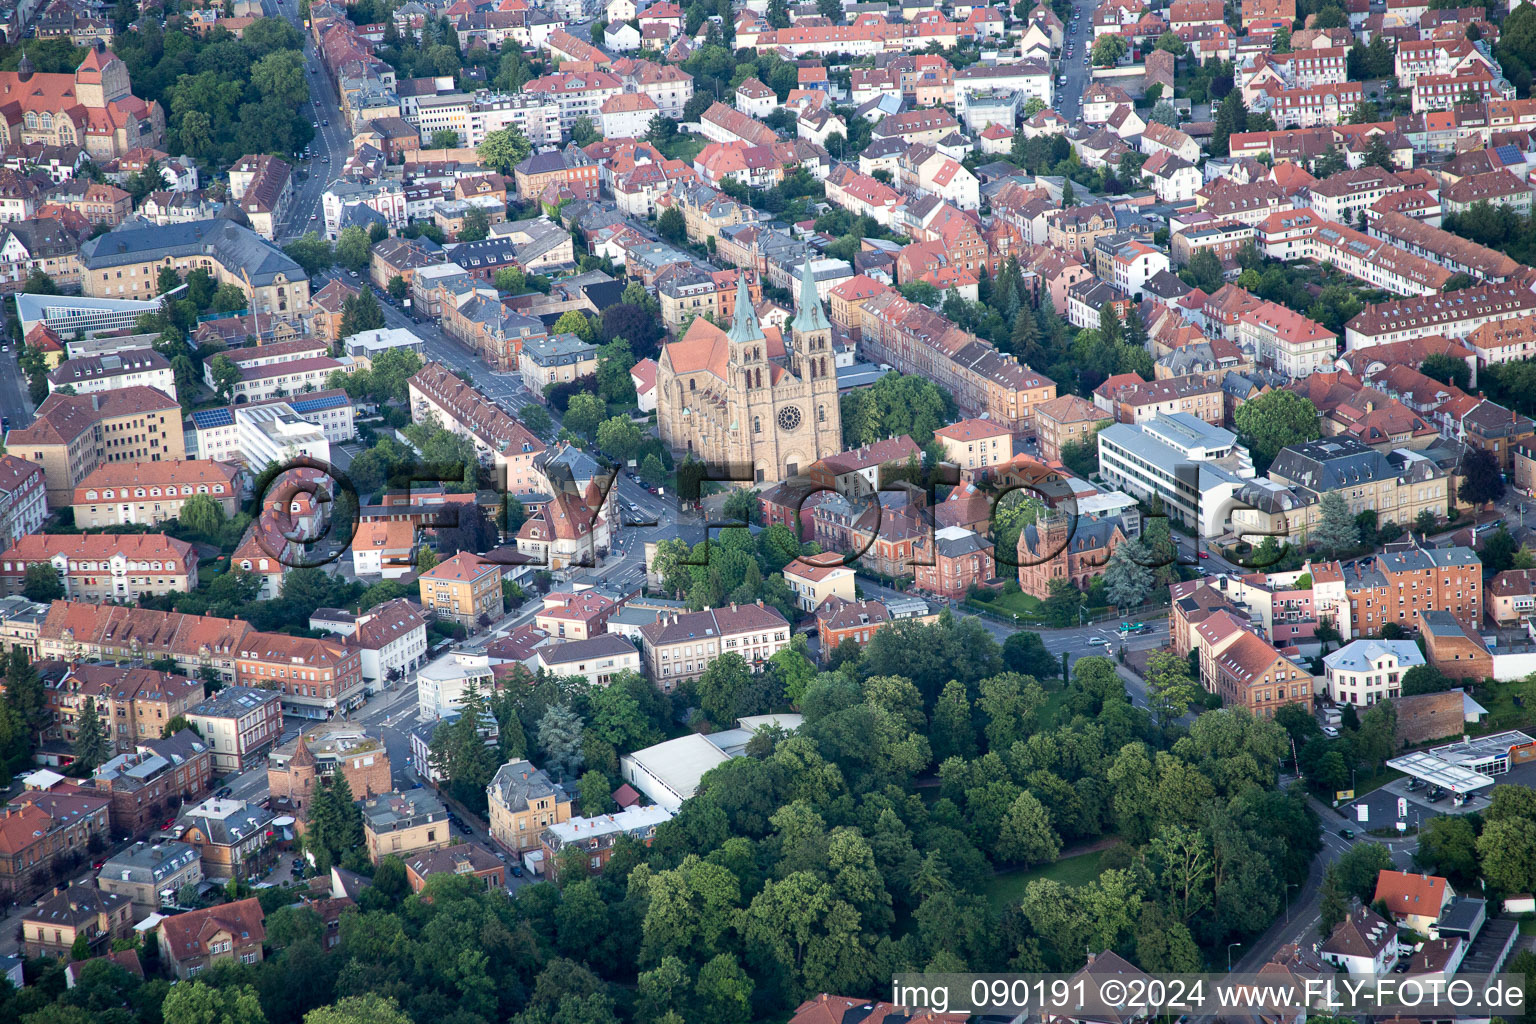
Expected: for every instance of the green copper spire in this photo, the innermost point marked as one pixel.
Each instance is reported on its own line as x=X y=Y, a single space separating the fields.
x=744 y=326
x=809 y=317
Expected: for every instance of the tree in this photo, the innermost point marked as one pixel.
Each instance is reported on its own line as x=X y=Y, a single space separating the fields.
x=1359 y=867
x=477 y=224
x=335 y=823
x=584 y=413
x=1482 y=479
x=1062 y=602
x=369 y=1008
x=41 y=583
x=1171 y=42
x=1448 y=846
x=1203 y=271
x=671 y=224
x=574 y=321
x=1231 y=116
x=1274 y=421
x=445 y=138
x=1164 y=113
x=1026 y=837
x=1171 y=688
x=312 y=252
x=722 y=686
x=1507 y=853
x=536 y=419
x=1336 y=531
x=352 y=247
x=397 y=287
x=560 y=740
x=596 y=793
x=1333 y=902
x=1107 y=51
x=92 y=746
x=197 y=1002
x=583 y=132
x=1127 y=580
x=1498 y=551
x=505 y=149
x=1025 y=652
x=203 y=516
x=1425 y=679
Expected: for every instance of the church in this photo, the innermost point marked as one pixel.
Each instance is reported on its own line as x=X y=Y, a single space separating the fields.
x=746 y=398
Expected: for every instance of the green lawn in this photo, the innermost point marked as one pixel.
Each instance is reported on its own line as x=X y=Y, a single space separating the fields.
x=1025 y=605
x=1503 y=712
x=1007 y=889
x=1528 y=926
x=684 y=146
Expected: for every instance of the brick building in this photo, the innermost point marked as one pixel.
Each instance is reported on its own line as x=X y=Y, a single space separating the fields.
x=952 y=562
x=1453 y=648
x=154 y=780
x=296 y=770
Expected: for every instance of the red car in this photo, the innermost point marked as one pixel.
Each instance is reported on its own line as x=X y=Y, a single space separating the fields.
x=1204 y=554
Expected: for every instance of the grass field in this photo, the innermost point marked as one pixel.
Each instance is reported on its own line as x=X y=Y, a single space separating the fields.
x=684 y=146
x=1007 y=889
x=1025 y=605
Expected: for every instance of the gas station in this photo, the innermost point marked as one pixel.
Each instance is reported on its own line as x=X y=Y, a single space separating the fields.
x=1470 y=764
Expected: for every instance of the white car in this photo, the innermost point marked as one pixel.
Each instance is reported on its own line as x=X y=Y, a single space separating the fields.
x=1330 y=732
x=1097 y=641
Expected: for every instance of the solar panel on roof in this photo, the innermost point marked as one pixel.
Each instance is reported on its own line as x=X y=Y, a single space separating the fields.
x=205 y=418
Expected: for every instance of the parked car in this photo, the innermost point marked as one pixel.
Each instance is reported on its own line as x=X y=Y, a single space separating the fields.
x=1414 y=784
x=1330 y=732
x=1435 y=795
x=225 y=793
x=517 y=870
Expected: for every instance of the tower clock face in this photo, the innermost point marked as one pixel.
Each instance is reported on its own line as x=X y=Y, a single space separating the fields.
x=789 y=418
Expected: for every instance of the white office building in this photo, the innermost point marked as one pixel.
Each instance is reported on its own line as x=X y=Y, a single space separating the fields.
x=275 y=433
x=440 y=685
x=1195 y=468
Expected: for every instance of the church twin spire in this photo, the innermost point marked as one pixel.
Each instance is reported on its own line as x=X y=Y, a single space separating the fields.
x=744 y=325
x=809 y=317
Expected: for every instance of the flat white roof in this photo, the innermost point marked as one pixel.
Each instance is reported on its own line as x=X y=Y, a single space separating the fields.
x=1424 y=765
x=679 y=764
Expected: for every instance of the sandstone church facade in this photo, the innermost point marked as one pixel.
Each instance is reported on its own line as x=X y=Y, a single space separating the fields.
x=745 y=398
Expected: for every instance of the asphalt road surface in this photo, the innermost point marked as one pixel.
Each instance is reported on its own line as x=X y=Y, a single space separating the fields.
x=1079 y=36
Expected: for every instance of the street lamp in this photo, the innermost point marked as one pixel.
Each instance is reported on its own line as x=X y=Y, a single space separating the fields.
x=1229 y=955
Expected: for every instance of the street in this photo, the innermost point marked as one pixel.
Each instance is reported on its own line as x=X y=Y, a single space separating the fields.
x=332 y=144
x=1078 y=37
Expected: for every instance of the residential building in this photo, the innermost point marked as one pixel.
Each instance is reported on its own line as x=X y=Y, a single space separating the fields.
x=597 y=659
x=399 y=824
x=595 y=837
x=202 y=646
x=1364 y=943
x=1367 y=671
x=239 y=724
x=578 y=615
x=1414 y=899
x=73 y=434
x=1250 y=673
x=263 y=186
x=1452 y=314
x=317 y=678
x=559 y=359
x=391 y=639
x=524 y=801
x=1398 y=586
x=974 y=445
x=99 y=567
x=680 y=647
x=199 y=939
x=23 y=499
x=160 y=775
x=1511 y=597
x=39 y=831
x=817 y=578
x=100 y=917
x=120 y=493
x=1066 y=420
x=151 y=875
x=465 y=589
x=233 y=839
x=953 y=562
x=459 y=859
x=440 y=396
